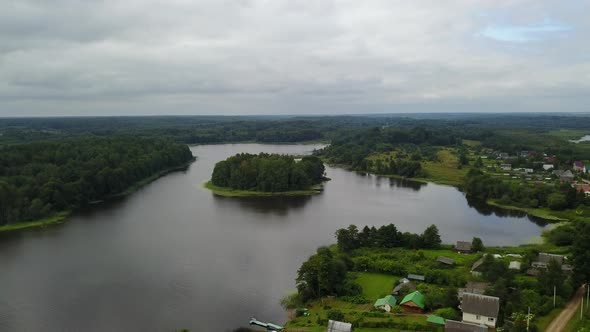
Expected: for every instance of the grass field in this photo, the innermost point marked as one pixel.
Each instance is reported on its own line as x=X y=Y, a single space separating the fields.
x=228 y=192
x=375 y=285
x=445 y=170
x=56 y=219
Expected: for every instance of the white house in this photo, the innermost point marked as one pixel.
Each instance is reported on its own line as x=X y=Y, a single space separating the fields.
x=505 y=167
x=480 y=309
x=547 y=166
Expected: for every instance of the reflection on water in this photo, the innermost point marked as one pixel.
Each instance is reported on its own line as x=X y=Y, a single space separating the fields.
x=278 y=205
x=482 y=207
x=393 y=182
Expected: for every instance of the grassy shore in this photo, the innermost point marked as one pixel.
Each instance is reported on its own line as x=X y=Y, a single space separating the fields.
x=228 y=192
x=544 y=213
x=58 y=218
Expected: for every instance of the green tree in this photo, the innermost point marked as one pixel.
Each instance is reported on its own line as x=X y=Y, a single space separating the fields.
x=431 y=238
x=477 y=244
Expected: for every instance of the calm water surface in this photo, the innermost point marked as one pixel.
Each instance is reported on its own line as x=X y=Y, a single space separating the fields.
x=174 y=256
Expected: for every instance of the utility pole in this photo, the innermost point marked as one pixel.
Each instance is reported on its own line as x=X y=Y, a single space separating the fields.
x=587 y=294
x=528 y=317
x=554 y=291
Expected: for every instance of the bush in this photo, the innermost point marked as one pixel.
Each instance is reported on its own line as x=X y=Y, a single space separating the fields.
x=448 y=313
x=335 y=315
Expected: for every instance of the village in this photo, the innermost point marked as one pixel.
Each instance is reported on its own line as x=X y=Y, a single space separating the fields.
x=537 y=168
x=408 y=304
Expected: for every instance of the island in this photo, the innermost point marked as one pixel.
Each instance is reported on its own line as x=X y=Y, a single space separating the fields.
x=244 y=175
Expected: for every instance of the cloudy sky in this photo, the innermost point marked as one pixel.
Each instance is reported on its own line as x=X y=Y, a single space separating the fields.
x=131 y=57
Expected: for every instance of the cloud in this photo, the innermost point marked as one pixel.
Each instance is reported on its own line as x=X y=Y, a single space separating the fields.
x=71 y=57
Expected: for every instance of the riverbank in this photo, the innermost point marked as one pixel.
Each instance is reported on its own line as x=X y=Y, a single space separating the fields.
x=543 y=213
x=228 y=192
x=61 y=216
x=58 y=218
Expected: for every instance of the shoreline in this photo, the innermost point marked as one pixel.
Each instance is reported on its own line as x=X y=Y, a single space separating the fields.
x=228 y=192
x=61 y=216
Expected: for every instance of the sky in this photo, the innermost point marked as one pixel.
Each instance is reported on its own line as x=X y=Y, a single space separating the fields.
x=238 y=57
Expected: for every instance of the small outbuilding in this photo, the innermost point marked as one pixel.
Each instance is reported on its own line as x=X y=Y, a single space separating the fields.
x=385 y=303
x=514 y=265
x=417 y=277
x=336 y=326
x=435 y=320
x=413 y=302
x=445 y=260
x=407 y=286
x=463 y=247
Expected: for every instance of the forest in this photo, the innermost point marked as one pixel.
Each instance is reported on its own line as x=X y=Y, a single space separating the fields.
x=268 y=172
x=41 y=178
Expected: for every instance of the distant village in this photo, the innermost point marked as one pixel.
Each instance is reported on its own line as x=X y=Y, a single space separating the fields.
x=479 y=312
x=543 y=169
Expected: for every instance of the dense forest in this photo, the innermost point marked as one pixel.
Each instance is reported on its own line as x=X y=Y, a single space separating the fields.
x=268 y=172
x=39 y=179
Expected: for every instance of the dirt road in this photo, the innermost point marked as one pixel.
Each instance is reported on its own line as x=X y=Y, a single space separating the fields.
x=559 y=323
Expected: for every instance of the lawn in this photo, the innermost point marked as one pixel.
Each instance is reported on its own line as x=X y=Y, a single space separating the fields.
x=445 y=170
x=375 y=285
x=56 y=219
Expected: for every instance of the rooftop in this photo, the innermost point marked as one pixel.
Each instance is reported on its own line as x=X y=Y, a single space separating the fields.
x=414 y=297
x=336 y=326
x=478 y=304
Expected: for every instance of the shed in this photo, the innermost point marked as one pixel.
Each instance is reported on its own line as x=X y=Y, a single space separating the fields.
x=475 y=267
x=385 y=303
x=416 y=277
x=435 y=320
x=546 y=258
x=514 y=265
x=413 y=302
x=336 y=326
x=454 y=326
x=445 y=260
x=463 y=247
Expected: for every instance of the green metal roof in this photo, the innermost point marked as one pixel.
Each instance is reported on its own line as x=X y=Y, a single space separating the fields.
x=435 y=320
x=415 y=297
x=389 y=299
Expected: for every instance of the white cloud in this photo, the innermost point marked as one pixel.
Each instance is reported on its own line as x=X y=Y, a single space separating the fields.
x=71 y=57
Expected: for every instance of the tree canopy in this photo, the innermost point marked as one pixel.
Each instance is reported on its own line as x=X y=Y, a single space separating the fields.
x=268 y=172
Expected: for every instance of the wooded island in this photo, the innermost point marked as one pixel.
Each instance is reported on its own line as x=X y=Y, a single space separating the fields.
x=267 y=174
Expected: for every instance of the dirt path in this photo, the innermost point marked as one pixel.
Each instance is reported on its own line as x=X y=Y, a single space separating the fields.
x=558 y=324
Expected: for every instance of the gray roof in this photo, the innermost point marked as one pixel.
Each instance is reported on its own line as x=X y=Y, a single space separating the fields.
x=477 y=264
x=445 y=260
x=408 y=285
x=454 y=326
x=416 y=277
x=336 y=326
x=478 y=304
x=463 y=246
x=546 y=258
x=474 y=287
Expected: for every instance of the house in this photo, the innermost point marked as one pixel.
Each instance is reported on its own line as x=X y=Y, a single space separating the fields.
x=475 y=268
x=417 y=277
x=480 y=309
x=454 y=326
x=505 y=167
x=551 y=160
x=385 y=303
x=514 y=265
x=502 y=155
x=463 y=247
x=547 y=166
x=579 y=166
x=407 y=285
x=445 y=260
x=336 y=326
x=474 y=287
x=564 y=176
x=435 y=320
x=528 y=170
x=545 y=258
x=413 y=302
x=585 y=189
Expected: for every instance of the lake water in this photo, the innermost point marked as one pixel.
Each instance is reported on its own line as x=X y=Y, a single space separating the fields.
x=584 y=138
x=175 y=256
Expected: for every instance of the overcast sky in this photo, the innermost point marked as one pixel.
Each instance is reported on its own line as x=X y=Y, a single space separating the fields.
x=131 y=57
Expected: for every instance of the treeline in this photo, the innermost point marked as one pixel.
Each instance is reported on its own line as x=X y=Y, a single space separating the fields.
x=39 y=179
x=484 y=186
x=387 y=236
x=268 y=172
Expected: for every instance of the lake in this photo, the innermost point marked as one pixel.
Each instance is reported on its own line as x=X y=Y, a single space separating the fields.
x=175 y=256
x=584 y=138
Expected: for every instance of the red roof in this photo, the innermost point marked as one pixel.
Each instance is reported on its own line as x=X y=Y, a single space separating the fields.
x=578 y=163
x=551 y=159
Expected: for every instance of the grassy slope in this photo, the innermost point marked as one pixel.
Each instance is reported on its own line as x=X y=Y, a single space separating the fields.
x=375 y=285
x=445 y=170
x=228 y=192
